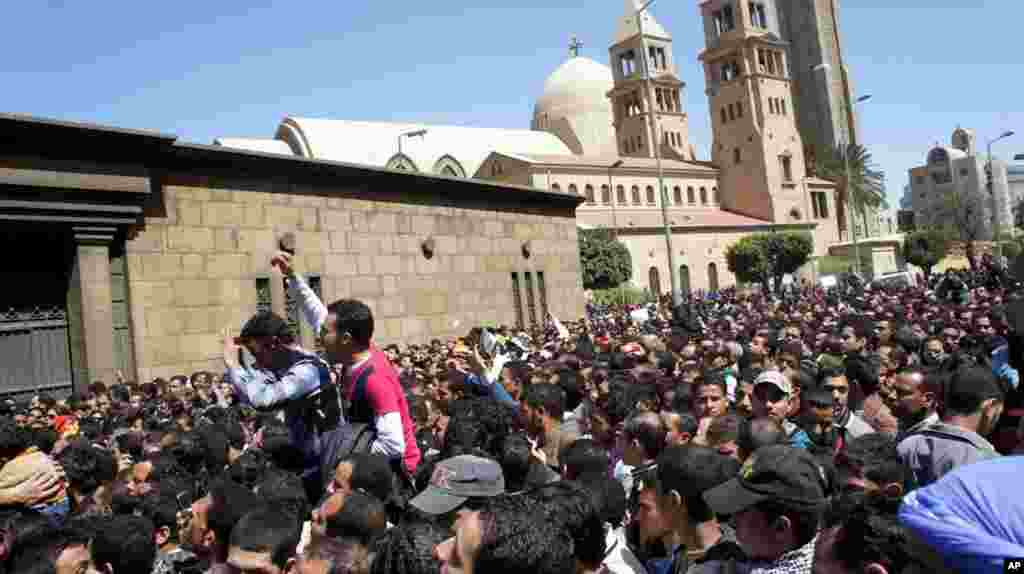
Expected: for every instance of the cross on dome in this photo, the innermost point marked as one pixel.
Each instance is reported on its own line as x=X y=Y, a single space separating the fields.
x=574 y=47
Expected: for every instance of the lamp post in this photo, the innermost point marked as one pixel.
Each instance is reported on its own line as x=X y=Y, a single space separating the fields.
x=656 y=144
x=850 y=196
x=412 y=134
x=990 y=183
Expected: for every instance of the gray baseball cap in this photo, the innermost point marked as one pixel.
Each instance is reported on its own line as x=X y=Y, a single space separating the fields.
x=456 y=480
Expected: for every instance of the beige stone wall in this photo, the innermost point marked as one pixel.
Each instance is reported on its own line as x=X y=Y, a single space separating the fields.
x=193 y=271
x=695 y=250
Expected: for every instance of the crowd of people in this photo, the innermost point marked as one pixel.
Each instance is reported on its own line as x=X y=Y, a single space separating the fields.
x=855 y=429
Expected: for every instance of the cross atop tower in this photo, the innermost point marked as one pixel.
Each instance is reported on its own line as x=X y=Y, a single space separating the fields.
x=574 y=47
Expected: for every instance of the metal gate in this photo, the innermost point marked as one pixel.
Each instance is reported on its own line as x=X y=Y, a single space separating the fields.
x=34 y=351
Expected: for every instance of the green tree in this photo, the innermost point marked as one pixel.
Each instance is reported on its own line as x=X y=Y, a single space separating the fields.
x=866 y=185
x=926 y=248
x=766 y=257
x=606 y=262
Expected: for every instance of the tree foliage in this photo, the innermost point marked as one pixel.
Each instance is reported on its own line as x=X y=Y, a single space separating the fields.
x=766 y=257
x=866 y=185
x=606 y=262
x=926 y=248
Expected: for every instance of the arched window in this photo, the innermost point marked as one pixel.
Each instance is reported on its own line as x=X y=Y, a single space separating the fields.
x=654 y=281
x=703 y=196
x=691 y=198
x=556 y=187
x=714 y=194
x=401 y=162
x=589 y=192
x=634 y=192
x=684 y=278
x=712 y=277
x=606 y=194
x=573 y=190
x=620 y=195
x=650 y=195
x=677 y=195
x=449 y=166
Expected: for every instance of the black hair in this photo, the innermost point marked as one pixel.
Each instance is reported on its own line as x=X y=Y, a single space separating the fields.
x=515 y=461
x=228 y=503
x=759 y=432
x=571 y=505
x=647 y=429
x=830 y=373
x=161 y=508
x=583 y=457
x=355 y=318
x=125 y=543
x=363 y=517
x=805 y=521
x=285 y=491
x=608 y=495
x=249 y=468
x=87 y=466
x=268 y=529
x=715 y=379
x=692 y=470
x=571 y=383
x=408 y=549
x=875 y=457
x=372 y=473
x=14 y=439
x=521 y=540
x=551 y=398
x=265 y=324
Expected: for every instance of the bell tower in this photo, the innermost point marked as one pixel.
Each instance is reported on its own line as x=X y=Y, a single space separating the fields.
x=756 y=145
x=647 y=98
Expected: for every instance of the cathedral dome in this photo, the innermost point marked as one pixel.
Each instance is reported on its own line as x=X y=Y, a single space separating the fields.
x=578 y=86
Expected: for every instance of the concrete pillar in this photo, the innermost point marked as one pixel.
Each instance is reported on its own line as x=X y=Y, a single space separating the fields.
x=91 y=302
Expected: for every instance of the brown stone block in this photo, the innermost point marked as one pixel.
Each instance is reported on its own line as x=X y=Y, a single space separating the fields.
x=225 y=240
x=494 y=228
x=251 y=197
x=339 y=241
x=407 y=244
x=221 y=195
x=259 y=263
x=389 y=285
x=308 y=200
x=382 y=222
x=147 y=294
x=199 y=320
x=222 y=214
x=313 y=241
x=334 y=219
x=403 y=223
x=387 y=264
x=283 y=217
x=387 y=244
x=226 y=292
x=390 y=329
x=424 y=225
x=313 y=263
x=200 y=346
x=341 y=265
x=163 y=321
x=365 y=285
x=159 y=266
x=447 y=245
x=193 y=292
x=251 y=240
x=192 y=266
x=189 y=239
x=308 y=218
x=413 y=327
x=181 y=192
x=465 y=264
x=391 y=306
x=161 y=350
x=252 y=215
x=150 y=240
x=365 y=264
x=226 y=266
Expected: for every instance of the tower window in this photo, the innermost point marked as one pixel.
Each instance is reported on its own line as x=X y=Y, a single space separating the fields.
x=657 y=57
x=677 y=195
x=758 y=17
x=635 y=193
x=640 y=141
x=725 y=117
x=573 y=190
x=627 y=62
x=819 y=204
x=650 y=195
x=703 y=196
x=762 y=61
x=606 y=194
x=737 y=156
x=732 y=112
x=771 y=105
x=691 y=198
x=556 y=187
x=714 y=194
x=730 y=71
x=782 y=105
x=787 y=167
x=620 y=195
x=724 y=19
x=739 y=109
x=659 y=99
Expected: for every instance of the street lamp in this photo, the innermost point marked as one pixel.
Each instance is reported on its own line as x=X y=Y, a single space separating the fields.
x=992 y=193
x=850 y=196
x=614 y=197
x=656 y=144
x=412 y=134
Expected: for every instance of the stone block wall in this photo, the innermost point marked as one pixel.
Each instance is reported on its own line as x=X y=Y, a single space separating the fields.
x=192 y=271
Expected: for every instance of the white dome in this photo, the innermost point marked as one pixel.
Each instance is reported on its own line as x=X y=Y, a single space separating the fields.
x=579 y=86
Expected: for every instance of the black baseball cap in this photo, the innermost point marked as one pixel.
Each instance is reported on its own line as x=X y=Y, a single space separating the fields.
x=778 y=473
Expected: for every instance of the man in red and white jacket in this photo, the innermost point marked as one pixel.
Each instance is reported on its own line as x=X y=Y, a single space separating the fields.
x=371 y=383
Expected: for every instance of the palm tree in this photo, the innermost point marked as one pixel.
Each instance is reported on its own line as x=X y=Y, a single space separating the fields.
x=867 y=182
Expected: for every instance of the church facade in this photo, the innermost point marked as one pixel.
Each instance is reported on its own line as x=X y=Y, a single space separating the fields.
x=617 y=136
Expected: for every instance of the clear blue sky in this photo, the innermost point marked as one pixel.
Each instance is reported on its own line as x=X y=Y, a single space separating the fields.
x=206 y=69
